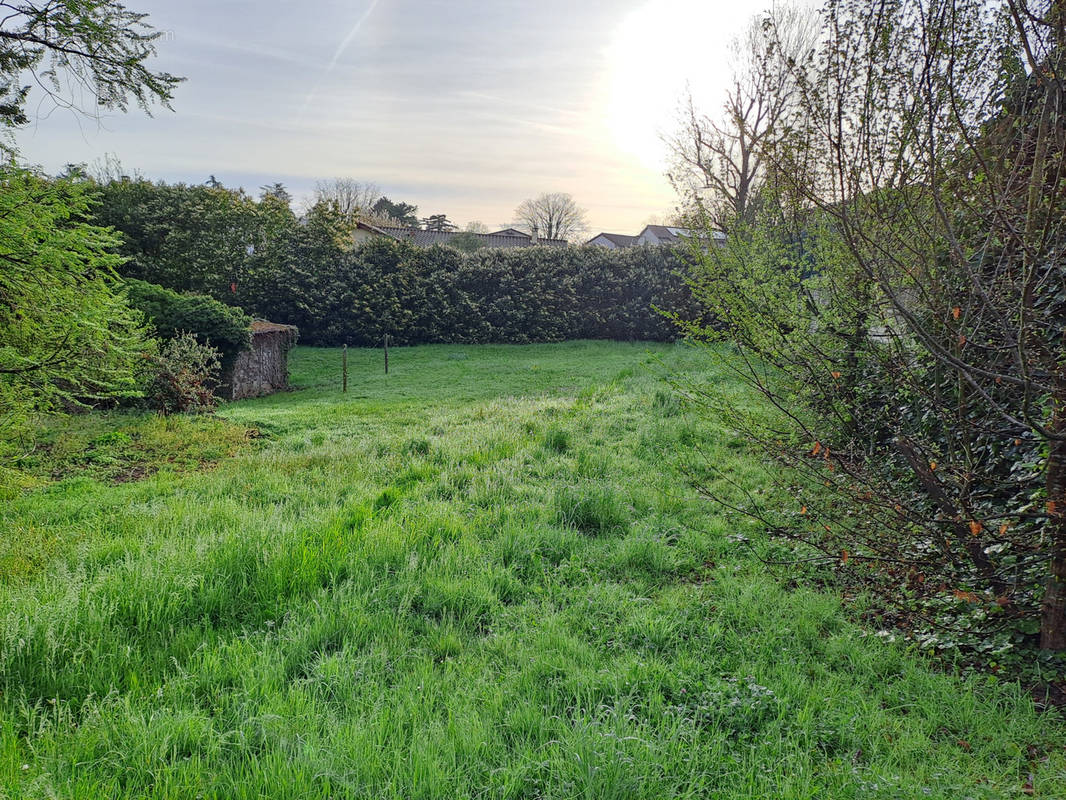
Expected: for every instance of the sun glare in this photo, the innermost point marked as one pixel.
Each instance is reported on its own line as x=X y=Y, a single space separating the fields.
x=659 y=52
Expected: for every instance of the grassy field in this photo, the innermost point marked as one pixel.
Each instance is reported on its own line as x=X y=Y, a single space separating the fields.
x=478 y=576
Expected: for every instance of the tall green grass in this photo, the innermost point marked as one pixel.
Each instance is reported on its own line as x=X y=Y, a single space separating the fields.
x=478 y=576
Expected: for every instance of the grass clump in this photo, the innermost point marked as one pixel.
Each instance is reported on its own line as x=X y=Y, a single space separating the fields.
x=666 y=403
x=593 y=464
x=556 y=440
x=590 y=508
x=417 y=447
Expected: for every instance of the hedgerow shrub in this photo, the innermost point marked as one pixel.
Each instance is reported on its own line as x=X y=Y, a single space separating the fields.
x=520 y=295
x=308 y=272
x=224 y=328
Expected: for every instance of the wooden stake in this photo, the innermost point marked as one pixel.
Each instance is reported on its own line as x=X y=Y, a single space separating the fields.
x=344 y=369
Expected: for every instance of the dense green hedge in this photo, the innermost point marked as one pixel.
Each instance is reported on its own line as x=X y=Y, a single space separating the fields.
x=223 y=327
x=517 y=295
x=259 y=256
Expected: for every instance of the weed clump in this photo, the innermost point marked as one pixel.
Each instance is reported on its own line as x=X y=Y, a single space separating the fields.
x=417 y=447
x=590 y=509
x=556 y=440
x=666 y=403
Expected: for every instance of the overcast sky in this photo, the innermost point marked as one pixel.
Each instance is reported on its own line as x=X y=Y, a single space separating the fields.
x=460 y=107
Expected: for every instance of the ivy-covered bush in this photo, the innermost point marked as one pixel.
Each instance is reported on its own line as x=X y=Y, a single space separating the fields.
x=224 y=328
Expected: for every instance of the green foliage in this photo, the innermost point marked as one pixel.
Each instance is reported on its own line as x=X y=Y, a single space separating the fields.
x=96 y=47
x=517 y=295
x=186 y=376
x=308 y=273
x=466 y=241
x=438 y=222
x=198 y=238
x=401 y=213
x=171 y=314
x=67 y=337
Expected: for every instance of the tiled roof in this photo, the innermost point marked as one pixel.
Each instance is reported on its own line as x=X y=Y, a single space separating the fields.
x=664 y=233
x=366 y=226
x=619 y=239
x=428 y=238
x=669 y=234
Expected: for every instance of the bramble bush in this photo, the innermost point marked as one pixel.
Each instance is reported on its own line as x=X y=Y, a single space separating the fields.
x=185 y=375
x=897 y=297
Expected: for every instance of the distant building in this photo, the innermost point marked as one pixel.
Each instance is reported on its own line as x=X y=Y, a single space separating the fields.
x=364 y=231
x=613 y=241
x=662 y=234
x=655 y=235
x=509 y=237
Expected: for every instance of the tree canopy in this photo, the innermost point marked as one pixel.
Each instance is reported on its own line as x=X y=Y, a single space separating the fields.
x=439 y=223
x=67 y=337
x=402 y=213
x=85 y=54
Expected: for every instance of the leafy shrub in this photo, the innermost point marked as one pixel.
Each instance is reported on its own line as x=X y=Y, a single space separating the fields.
x=185 y=377
x=223 y=328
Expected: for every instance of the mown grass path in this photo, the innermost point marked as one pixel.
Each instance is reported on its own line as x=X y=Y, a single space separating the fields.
x=479 y=576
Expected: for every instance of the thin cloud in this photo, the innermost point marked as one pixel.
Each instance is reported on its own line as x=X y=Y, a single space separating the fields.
x=459 y=106
x=341 y=48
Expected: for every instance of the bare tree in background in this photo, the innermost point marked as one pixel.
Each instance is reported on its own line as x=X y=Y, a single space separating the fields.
x=353 y=198
x=553 y=215
x=719 y=160
x=671 y=219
